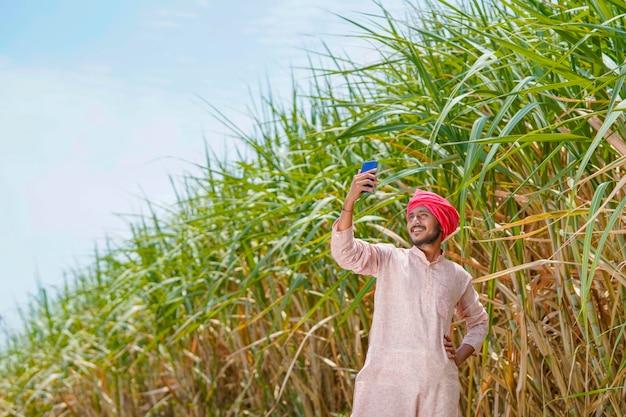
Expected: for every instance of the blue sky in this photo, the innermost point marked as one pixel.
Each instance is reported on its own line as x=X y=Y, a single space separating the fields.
x=100 y=105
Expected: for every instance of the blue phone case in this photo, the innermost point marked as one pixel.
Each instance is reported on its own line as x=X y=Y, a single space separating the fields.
x=367 y=165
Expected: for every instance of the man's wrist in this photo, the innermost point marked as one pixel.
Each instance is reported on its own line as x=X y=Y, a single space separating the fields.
x=463 y=352
x=348 y=206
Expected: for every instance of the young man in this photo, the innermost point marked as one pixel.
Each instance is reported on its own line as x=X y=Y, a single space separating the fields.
x=411 y=368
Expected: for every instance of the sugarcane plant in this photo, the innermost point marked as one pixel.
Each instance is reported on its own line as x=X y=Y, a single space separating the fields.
x=227 y=302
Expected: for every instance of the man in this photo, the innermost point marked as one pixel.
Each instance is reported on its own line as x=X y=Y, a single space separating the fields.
x=411 y=367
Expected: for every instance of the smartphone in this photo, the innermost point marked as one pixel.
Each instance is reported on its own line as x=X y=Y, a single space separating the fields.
x=367 y=165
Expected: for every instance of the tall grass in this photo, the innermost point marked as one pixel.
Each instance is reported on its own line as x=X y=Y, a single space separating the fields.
x=230 y=305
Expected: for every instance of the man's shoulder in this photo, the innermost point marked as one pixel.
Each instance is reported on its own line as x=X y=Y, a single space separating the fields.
x=391 y=249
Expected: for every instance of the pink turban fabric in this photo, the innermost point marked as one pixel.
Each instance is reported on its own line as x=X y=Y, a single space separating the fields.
x=445 y=213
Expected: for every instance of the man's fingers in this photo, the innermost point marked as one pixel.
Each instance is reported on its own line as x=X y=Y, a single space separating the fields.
x=365 y=182
x=367 y=174
x=449 y=347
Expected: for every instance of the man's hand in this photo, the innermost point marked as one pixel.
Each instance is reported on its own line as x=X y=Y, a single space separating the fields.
x=458 y=356
x=361 y=182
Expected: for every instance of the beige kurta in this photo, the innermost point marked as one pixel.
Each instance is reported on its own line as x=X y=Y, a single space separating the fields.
x=406 y=371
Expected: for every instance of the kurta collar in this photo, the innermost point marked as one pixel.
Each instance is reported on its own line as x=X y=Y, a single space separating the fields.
x=422 y=256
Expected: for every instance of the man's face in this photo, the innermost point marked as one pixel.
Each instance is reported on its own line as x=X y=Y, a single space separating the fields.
x=423 y=227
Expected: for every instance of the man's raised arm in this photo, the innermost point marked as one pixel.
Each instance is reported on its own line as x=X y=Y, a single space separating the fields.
x=361 y=182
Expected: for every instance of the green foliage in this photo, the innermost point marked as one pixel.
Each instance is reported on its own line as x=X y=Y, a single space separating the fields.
x=229 y=304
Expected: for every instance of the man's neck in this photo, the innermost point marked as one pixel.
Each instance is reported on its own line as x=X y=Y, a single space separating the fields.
x=432 y=251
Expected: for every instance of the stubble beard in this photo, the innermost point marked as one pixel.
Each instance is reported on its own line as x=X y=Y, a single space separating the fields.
x=429 y=239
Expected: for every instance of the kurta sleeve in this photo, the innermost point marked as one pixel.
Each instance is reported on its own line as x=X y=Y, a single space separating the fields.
x=470 y=309
x=354 y=254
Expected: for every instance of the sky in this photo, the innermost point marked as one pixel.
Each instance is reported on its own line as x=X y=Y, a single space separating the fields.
x=103 y=102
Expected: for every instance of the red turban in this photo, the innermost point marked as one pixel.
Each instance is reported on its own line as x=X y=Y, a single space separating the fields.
x=445 y=213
